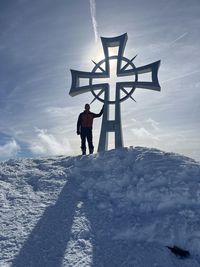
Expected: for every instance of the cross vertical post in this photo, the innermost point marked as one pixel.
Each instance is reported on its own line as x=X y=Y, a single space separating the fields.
x=118 y=126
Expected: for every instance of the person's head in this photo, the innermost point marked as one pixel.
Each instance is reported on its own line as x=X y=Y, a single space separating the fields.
x=87 y=107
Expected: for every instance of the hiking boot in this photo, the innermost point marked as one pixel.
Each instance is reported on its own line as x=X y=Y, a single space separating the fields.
x=91 y=150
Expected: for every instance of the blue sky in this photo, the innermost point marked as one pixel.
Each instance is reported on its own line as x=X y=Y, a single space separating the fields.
x=40 y=41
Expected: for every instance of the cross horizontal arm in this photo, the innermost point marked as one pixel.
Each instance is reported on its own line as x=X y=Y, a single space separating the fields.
x=145 y=85
x=76 y=89
x=153 y=68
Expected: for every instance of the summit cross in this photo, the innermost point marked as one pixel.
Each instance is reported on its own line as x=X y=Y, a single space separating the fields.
x=125 y=67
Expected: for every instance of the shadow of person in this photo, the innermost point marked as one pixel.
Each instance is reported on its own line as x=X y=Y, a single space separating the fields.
x=45 y=246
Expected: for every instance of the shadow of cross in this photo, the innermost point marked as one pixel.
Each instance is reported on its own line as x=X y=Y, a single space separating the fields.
x=46 y=245
x=123 y=70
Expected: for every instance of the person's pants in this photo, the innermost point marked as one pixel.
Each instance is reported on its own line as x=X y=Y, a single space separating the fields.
x=86 y=133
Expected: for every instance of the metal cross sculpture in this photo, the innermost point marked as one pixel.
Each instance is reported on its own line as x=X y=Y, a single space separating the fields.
x=125 y=67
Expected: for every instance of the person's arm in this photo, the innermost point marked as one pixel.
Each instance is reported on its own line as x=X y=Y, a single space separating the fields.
x=99 y=114
x=78 y=129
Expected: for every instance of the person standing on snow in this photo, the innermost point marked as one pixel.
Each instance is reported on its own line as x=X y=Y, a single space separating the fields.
x=84 y=128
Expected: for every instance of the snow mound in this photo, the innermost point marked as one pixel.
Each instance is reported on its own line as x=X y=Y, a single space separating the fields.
x=117 y=208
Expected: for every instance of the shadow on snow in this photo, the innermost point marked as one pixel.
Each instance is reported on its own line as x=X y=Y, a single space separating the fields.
x=46 y=245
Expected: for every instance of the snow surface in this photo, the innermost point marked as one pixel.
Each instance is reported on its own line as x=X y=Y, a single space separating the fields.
x=117 y=208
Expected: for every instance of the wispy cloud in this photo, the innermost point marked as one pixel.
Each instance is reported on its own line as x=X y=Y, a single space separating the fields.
x=181 y=76
x=144 y=133
x=179 y=38
x=93 y=16
x=9 y=149
x=48 y=144
x=154 y=124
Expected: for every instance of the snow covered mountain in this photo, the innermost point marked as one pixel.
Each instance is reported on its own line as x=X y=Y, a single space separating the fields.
x=118 y=208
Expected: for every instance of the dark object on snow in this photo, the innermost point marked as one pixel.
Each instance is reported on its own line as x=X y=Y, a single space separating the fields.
x=179 y=251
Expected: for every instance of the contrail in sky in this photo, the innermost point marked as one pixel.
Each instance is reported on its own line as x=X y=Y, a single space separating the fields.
x=93 y=16
x=182 y=76
x=180 y=37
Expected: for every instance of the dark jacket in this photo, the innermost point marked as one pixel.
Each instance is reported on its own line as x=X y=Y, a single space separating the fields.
x=85 y=119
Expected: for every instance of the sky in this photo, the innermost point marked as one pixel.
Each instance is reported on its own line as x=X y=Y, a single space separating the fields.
x=40 y=41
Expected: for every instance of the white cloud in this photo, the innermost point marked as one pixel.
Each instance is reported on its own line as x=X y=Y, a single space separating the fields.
x=48 y=144
x=9 y=149
x=154 y=124
x=93 y=16
x=133 y=120
x=61 y=112
x=143 y=133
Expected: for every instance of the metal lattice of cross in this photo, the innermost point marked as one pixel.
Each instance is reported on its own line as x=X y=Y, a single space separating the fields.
x=125 y=67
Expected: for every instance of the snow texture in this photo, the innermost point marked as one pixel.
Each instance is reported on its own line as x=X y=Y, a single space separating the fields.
x=117 y=208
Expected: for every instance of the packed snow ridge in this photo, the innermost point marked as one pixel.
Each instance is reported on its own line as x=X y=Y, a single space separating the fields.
x=117 y=208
